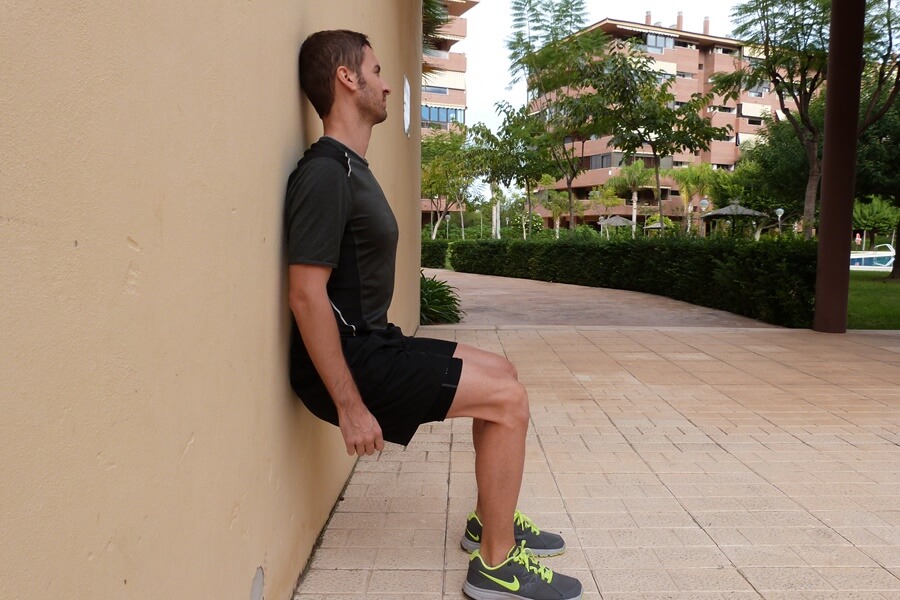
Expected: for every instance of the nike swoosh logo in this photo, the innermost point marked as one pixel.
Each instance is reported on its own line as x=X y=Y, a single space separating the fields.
x=512 y=586
x=477 y=538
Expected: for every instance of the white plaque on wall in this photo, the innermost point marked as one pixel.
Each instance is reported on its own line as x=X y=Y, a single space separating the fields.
x=406 y=107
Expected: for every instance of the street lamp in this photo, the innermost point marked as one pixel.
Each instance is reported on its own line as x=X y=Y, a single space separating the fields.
x=447 y=219
x=778 y=213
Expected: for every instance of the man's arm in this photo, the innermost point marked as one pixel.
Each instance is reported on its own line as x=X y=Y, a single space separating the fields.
x=308 y=298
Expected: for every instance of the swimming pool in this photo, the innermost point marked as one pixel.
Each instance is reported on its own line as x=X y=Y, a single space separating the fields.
x=872 y=261
x=877 y=260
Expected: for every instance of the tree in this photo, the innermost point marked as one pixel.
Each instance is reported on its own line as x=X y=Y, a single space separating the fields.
x=545 y=52
x=631 y=179
x=790 y=39
x=877 y=157
x=515 y=155
x=692 y=180
x=634 y=102
x=449 y=171
x=554 y=201
x=604 y=197
x=434 y=17
x=875 y=216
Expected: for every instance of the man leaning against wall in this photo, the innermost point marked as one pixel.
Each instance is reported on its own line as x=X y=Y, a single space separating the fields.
x=354 y=369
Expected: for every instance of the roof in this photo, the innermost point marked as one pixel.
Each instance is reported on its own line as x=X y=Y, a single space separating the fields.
x=611 y=25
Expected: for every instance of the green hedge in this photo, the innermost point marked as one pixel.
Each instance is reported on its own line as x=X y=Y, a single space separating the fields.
x=434 y=253
x=772 y=280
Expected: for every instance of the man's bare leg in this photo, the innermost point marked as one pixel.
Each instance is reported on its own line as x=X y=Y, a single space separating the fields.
x=492 y=361
x=496 y=399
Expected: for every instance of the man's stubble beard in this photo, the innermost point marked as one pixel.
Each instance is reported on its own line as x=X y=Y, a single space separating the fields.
x=372 y=108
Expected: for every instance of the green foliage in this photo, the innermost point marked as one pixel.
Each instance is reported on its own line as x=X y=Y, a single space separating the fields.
x=877 y=157
x=791 y=38
x=450 y=167
x=434 y=253
x=439 y=302
x=772 y=280
x=434 y=16
x=876 y=215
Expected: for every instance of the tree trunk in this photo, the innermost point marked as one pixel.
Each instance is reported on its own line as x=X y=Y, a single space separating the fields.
x=462 y=219
x=556 y=226
x=528 y=200
x=662 y=224
x=437 y=225
x=571 y=204
x=687 y=215
x=812 y=188
x=633 y=213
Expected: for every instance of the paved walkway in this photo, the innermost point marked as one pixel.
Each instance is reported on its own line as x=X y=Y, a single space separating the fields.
x=679 y=462
x=505 y=301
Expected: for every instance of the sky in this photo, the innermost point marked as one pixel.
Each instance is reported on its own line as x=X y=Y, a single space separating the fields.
x=489 y=25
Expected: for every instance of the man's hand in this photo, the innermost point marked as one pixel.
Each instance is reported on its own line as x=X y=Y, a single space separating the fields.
x=361 y=431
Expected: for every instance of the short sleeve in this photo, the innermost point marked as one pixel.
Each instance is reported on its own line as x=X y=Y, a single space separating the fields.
x=318 y=205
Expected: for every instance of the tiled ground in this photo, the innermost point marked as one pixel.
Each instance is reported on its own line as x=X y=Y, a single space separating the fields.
x=679 y=463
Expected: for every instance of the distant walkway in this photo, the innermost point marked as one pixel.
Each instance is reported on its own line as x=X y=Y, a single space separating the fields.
x=504 y=301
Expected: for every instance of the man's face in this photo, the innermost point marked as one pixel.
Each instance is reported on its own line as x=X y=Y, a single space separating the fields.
x=373 y=90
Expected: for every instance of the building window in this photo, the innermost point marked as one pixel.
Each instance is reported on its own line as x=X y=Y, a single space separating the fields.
x=684 y=75
x=721 y=50
x=435 y=90
x=441 y=115
x=657 y=44
x=723 y=167
x=759 y=91
x=679 y=164
x=683 y=44
x=600 y=161
x=754 y=61
x=720 y=109
x=754 y=121
x=679 y=103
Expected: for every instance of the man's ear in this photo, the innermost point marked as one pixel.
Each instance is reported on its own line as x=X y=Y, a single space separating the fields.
x=346 y=77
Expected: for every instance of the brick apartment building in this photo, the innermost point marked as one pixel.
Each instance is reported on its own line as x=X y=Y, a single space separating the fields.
x=690 y=59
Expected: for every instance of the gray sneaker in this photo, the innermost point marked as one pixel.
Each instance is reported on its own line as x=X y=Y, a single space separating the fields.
x=541 y=543
x=519 y=577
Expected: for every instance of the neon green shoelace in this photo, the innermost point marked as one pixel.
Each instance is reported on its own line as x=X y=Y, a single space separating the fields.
x=524 y=522
x=528 y=560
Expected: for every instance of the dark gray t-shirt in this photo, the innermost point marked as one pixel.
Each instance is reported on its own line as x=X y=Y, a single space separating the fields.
x=336 y=215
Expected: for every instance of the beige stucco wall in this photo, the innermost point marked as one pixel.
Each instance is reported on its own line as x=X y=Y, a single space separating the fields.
x=151 y=447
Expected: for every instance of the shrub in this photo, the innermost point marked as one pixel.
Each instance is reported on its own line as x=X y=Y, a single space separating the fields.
x=434 y=253
x=439 y=302
x=772 y=280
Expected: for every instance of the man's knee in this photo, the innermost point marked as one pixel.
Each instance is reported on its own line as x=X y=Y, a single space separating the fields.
x=511 y=369
x=514 y=400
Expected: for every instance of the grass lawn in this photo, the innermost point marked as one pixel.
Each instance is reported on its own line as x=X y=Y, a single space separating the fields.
x=874 y=301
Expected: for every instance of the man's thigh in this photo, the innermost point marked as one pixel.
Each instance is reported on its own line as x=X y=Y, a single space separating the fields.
x=486 y=358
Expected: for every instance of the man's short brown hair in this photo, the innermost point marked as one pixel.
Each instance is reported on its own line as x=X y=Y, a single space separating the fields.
x=320 y=56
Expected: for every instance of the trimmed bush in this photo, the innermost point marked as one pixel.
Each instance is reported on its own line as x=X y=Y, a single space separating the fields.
x=772 y=280
x=434 y=253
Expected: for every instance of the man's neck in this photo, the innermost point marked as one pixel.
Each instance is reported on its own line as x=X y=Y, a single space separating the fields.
x=355 y=137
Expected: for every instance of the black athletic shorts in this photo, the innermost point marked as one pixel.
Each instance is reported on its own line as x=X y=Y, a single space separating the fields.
x=404 y=381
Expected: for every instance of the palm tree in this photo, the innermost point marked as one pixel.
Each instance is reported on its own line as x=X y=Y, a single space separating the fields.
x=692 y=180
x=434 y=16
x=631 y=179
